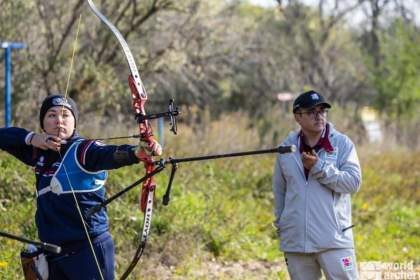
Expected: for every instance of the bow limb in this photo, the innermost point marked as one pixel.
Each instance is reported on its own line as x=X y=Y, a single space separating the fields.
x=138 y=84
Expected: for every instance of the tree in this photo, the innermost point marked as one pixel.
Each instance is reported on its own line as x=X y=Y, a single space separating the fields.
x=396 y=78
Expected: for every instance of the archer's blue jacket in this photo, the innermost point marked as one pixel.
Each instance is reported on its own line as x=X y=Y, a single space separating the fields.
x=57 y=217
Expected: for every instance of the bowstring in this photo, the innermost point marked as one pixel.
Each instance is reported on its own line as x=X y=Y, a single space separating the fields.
x=65 y=169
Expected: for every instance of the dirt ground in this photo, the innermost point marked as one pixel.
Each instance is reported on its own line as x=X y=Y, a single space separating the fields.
x=261 y=270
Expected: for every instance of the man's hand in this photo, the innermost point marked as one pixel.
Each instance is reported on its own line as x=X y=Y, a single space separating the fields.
x=151 y=148
x=45 y=141
x=309 y=159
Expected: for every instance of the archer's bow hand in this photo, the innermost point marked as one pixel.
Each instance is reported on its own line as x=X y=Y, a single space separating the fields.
x=148 y=148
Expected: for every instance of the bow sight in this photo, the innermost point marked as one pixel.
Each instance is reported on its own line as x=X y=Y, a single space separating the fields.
x=172 y=113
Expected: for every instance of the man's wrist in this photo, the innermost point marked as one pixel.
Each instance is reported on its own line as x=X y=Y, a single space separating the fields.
x=317 y=167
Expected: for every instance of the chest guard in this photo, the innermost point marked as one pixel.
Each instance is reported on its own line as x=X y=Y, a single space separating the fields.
x=71 y=176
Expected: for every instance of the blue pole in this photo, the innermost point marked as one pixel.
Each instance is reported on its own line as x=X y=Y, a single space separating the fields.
x=161 y=127
x=8 y=86
x=8 y=46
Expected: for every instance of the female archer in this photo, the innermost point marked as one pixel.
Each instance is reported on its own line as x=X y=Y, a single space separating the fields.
x=70 y=175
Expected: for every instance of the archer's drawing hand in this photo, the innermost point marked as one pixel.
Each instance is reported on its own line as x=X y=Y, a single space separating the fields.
x=46 y=142
x=309 y=159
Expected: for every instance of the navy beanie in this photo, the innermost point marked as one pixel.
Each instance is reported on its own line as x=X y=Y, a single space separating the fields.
x=58 y=100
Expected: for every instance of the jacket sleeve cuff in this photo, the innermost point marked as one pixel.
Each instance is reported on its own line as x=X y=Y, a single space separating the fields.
x=125 y=155
x=317 y=169
x=28 y=138
x=132 y=154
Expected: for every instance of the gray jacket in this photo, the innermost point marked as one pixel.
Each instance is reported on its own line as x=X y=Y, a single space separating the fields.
x=312 y=214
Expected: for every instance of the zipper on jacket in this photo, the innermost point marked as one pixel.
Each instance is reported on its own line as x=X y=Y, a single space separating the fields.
x=301 y=168
x=302 y=172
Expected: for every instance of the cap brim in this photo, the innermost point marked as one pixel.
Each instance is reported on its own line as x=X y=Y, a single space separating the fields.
x=326 y=105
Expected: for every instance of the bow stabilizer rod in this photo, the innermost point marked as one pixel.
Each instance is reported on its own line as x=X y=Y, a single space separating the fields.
x=175 y=161
x=42 y=245
x=280 y=150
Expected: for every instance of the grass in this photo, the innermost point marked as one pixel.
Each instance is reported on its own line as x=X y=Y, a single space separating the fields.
x=221 y=212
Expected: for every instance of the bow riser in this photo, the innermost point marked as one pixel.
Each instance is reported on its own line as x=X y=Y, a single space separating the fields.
x=138 y=106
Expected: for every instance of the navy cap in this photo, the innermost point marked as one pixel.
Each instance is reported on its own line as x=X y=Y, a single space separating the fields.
x=308 y=100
